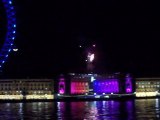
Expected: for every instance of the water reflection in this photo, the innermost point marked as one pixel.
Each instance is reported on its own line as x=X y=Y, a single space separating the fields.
x=139 y=109
x=147 y=109
x=97 y=110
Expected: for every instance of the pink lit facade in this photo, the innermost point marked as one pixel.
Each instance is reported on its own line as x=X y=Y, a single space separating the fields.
x=80 y=84
x=78 y=87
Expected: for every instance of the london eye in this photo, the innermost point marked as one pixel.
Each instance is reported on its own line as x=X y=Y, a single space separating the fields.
x=7 y=30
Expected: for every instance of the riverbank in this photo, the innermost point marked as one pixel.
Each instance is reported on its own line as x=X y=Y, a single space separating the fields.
x=77 y=99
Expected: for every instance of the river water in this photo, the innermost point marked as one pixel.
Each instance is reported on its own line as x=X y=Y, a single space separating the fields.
x=138 y=109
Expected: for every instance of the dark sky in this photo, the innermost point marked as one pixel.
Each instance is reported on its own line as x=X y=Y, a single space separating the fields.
x=126 y=33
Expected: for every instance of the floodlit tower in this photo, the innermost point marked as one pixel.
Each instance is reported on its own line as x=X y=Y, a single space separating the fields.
x=61 y=86
x=129 y=84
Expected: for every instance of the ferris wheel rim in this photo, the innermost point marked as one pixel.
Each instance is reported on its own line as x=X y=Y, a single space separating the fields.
x=10 y=33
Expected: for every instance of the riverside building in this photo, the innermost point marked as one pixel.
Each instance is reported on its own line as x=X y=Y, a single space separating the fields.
x=26 y=89
x=147 y=87
x=95 y=85
x=81 y=85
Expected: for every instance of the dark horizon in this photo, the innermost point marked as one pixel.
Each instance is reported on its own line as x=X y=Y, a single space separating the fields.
x=49 y=33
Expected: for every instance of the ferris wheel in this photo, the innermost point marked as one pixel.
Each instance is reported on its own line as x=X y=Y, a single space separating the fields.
x=8 y=28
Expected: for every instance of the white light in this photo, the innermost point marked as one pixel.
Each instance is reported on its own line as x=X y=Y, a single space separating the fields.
x=91 y=57
x=94 y=45
x=106 y=96
x=58 y=94
x=92 y=79
x=15 y=49
x=80 y=46
x=95 y=94
x=10 y=2
x=145 y=94
x=111 y=93
x=103 y=93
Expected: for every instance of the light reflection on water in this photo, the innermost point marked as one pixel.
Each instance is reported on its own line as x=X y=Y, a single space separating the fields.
x=139 y=109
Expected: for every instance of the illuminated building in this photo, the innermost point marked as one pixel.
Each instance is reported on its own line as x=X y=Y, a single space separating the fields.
x=147 y=87
x=26 y=89
x=74 y=84
x=110 y=84
x=106 y=86
x=80 y=84
x=67 y=85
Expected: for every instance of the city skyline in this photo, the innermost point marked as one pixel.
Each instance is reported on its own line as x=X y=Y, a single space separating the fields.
x=49 y=35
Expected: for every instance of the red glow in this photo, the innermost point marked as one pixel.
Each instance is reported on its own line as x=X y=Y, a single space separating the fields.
x=79 y=87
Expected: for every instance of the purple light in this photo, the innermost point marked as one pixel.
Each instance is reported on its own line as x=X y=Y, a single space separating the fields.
x=61 y=86
x=128 y=84
x=128 y=90
x=106 y=86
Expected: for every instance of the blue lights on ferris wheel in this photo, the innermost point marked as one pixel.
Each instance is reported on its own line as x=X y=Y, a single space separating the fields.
x=10 y=34
x=10 y=2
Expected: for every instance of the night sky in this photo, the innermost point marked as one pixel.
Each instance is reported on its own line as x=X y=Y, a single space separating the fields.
x=126 y=35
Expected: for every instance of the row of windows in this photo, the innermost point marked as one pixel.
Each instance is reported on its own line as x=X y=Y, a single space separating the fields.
x=147 y=90
x=148 y=86
x=20 y=92
x=25 y=85
x=23 y=88
x=148 y=82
